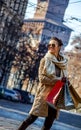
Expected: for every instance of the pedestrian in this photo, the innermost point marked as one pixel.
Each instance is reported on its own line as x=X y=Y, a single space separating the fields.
x=53 y=67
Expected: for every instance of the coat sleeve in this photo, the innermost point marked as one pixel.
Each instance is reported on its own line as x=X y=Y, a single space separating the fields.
x=43 y=78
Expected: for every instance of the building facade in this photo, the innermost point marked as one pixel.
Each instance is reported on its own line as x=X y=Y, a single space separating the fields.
x=11 y=19
x=48 y=18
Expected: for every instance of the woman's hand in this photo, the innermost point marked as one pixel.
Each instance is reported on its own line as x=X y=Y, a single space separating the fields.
x=64 y=79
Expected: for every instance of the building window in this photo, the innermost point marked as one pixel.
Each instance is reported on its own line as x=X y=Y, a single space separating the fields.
x=16 y=7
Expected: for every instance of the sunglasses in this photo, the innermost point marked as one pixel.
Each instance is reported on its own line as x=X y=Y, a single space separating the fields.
x=51 y=45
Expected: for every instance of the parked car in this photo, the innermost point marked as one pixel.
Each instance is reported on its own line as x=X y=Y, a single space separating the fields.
x=9 y=94
x=24 y=96
x=1 y=95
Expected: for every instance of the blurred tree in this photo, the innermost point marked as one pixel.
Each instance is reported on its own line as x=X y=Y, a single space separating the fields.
x=76 y=39
x=27 y=58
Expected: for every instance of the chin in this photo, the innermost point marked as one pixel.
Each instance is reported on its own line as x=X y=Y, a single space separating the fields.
x=52 y=52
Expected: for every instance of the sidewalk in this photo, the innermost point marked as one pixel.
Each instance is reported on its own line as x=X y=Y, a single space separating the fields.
x=10 y=124
x=10 y=119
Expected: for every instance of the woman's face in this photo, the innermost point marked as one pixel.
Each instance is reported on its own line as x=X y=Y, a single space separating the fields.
x=53 y=47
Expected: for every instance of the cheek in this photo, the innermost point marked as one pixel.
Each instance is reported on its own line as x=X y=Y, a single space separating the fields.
x=57 y=49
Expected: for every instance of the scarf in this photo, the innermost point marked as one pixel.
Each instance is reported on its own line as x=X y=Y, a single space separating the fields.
x=51 y=61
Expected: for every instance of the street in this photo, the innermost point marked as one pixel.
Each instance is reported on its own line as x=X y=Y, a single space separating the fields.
x=15 y=112
x=7 y=108
x=15 y=106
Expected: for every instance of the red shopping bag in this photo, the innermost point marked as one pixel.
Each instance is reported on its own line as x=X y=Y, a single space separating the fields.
x=53 y=95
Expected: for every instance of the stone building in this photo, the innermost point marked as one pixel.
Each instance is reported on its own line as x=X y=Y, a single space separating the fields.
x=11 y=19
x=48 y=19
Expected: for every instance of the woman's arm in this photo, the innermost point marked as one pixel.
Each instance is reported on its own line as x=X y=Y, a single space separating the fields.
x=43 y=78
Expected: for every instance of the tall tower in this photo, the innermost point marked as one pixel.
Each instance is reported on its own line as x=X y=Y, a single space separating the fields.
x=41 y=10
x=51 y=9
x=49 y=17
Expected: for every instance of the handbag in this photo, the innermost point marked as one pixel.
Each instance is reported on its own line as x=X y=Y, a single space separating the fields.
x=65 y=100
x=75 y=96
x=53 y=95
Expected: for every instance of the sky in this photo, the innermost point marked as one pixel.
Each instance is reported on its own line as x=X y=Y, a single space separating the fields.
x=72 y=16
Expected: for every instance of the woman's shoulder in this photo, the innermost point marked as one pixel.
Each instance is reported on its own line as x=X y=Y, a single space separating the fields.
x=42 y=60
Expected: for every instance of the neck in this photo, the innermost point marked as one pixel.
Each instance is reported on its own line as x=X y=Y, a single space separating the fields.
x=55 y=54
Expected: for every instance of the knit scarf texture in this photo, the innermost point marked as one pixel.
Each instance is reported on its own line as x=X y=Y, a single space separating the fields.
x=51 y=61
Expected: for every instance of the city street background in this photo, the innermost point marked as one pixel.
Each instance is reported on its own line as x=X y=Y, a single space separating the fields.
x=23 y=42
x=13 y=113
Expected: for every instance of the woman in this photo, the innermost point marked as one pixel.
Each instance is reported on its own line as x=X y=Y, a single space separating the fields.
x=52 y=68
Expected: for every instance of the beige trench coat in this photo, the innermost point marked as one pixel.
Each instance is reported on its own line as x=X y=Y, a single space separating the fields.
x=40 y=107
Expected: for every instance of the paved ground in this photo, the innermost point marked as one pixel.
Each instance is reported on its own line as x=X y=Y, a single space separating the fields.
x=10 y=124
x=12 y=114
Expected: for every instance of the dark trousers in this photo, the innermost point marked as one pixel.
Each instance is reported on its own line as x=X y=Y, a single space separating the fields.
x=52 y=113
